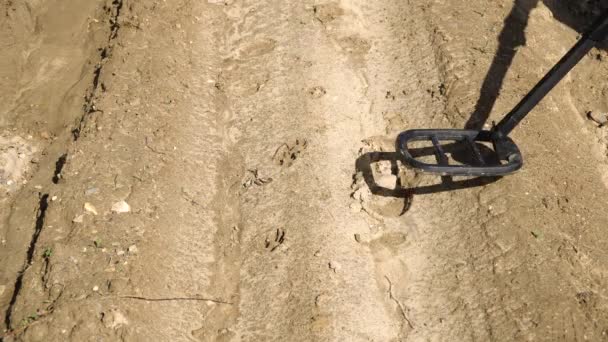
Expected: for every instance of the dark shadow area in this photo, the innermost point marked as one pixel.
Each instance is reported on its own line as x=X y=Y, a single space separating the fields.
x=459 y=153
x=578 y=14
x=59 y=164
x=43 y=206
x=512 y=37
x=365 y=163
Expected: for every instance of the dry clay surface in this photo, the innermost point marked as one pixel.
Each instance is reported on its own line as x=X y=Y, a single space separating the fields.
x=225 y=170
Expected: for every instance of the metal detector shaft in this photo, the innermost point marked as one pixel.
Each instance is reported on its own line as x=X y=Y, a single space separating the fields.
x=597 y=33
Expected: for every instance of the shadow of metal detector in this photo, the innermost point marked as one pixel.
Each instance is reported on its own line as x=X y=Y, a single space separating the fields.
x=505 y=157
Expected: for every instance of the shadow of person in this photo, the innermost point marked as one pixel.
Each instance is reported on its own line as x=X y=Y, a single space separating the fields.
x=513 y=36
x=577 y=14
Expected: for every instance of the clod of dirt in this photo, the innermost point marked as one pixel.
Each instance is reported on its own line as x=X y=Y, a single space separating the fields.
x=15 y=156
x=114 y=319
x=356 y=207
x=599 y=118
x=387 y=181
x=78 y=219
x=121 y=207
x=317 y=92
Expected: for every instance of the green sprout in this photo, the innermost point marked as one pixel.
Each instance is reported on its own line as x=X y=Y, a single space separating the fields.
x=48 y=252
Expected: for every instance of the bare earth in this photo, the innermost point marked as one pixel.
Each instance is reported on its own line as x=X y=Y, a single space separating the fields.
x=187 y=170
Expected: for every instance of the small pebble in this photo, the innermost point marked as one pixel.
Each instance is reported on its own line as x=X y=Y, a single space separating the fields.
x=95 y=288
x=387 y=181
x=121 y=207
x=599 y=118
x=132 y=249
x=358 y=237
x=54 y=198
x=90 y=208
x=91 y=191
x=114 y=319
x=78 y=219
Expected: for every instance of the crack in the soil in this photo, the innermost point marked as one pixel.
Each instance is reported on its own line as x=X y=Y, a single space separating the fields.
x=217 y=301
x=399 y=304
x=88 y=108
x=59 y=167
x=43 y=206
x=106 y=52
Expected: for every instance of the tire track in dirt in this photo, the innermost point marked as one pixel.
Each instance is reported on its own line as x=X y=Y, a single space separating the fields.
x=406 y=92
x=293 y=258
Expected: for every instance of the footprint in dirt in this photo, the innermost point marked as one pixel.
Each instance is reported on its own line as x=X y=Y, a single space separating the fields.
x=326 y=13
x=338 y=24
x=386 y=198
x=355 y=45
x=258 y=48
x=286 y=155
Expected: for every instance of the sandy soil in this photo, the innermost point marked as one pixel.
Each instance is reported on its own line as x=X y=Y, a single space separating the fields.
x=224 y=170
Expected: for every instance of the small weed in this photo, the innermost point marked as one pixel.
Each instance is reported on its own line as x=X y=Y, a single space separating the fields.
x=29 y=320
x=48 y=252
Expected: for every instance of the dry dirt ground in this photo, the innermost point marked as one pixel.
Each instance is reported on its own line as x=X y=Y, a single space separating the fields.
x=224 y=170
